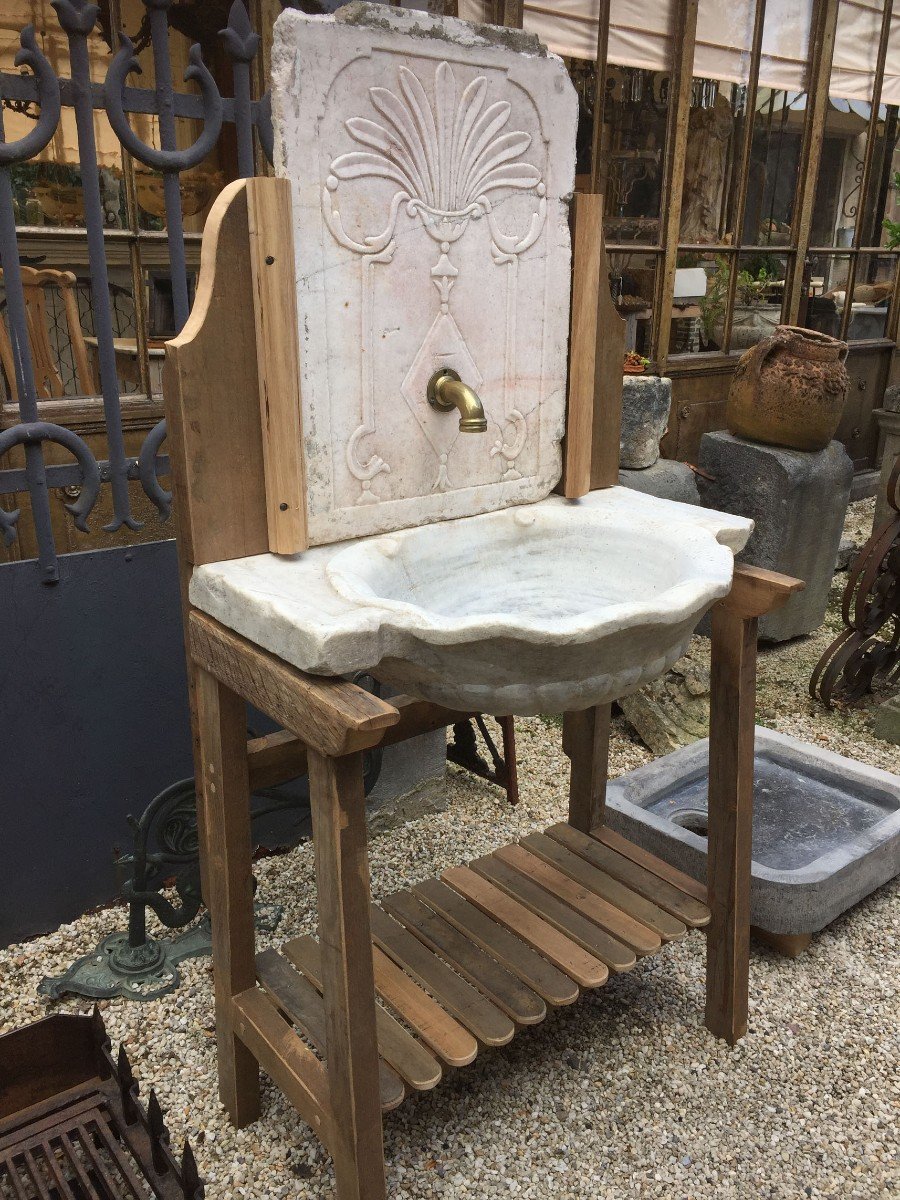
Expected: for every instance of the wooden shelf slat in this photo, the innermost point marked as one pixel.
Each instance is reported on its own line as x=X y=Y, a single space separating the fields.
x=482 y=1018
x=297 y=997
x=553 y=985
x=638 y=878
x=644 y=858
x=587 y=970
x=617 y=923
x=484 y=972
x=408 y=1057
x=559 y=851
x=589 y=936
x=450 y=1040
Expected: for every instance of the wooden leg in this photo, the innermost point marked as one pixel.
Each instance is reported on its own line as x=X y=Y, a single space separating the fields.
x=342 y=878
x=731 y=738
x=223 y=821
x=586 y=742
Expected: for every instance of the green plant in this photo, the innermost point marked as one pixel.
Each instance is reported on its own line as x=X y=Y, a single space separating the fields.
x=712 y=305
x=893 y=227
x=751 y=289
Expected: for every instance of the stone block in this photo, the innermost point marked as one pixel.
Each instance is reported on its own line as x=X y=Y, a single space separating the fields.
x=889 y=423
x=798 y=501
x=412 y=782
x=887 y=721
x=646 y=400
x=667 y=479
x=673 y=710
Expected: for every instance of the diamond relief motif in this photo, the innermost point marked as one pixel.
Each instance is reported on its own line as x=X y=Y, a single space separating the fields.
x=442 y=346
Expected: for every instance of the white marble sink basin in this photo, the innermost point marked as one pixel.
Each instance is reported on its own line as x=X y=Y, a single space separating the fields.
x=538 y=608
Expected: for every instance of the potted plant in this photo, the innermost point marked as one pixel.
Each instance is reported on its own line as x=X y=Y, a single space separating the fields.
x=634 y=363
x=755 y=317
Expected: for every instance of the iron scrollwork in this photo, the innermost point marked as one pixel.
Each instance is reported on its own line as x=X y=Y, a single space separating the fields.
x=31 y=433
x=868 y=650
x=41 y=94
x=166 y=852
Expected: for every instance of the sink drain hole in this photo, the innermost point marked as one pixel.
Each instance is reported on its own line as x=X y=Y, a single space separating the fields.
x=695 y=820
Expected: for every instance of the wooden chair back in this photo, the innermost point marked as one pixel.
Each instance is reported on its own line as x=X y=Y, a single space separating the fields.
x=45 y=361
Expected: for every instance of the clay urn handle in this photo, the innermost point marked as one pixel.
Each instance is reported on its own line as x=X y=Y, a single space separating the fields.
x=756 y=356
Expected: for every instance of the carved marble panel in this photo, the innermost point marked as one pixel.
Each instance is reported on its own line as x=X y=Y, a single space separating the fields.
x=432 y=162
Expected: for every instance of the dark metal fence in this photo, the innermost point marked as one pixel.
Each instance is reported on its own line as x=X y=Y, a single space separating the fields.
x=39 y=92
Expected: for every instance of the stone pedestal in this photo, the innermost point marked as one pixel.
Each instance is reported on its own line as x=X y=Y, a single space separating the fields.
x=646 y=400
x=889 y=423
x=798 y=501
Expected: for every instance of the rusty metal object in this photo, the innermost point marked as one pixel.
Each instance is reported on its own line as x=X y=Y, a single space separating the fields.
x=71 y=1125
x=868 y=651
x=789 y=390
x=463 y=751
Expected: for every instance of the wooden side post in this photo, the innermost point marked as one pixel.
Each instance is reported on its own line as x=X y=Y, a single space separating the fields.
x=731 y=743
x=342 y=879
x=586 y=742
x=596 y=346
x=223 y=824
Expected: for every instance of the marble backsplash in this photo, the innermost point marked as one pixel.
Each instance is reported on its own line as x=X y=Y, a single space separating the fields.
x=432 y=164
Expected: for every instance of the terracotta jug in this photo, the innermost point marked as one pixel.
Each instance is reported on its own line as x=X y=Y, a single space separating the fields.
x=789 y=389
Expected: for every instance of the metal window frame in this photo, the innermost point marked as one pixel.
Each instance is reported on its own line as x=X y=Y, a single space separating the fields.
x=666 y=251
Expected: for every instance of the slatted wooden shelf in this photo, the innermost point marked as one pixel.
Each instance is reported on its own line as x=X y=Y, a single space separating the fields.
x=467 y=961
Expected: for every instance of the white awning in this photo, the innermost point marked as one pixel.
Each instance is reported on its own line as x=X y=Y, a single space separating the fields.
x=640 y=35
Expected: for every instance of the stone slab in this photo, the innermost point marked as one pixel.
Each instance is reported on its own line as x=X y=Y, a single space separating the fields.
x=432 y=163
x=667 y=479
x=798 y=501
x=886 y=723
x=646 y=401
x=826 y=829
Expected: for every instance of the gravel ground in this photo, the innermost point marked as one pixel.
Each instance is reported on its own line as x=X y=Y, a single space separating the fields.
x=623 y=1094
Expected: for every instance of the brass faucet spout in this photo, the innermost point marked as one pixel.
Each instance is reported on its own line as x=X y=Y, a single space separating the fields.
x=446 y=391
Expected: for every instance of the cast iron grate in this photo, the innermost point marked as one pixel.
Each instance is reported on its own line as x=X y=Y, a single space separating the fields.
x=71 y=1125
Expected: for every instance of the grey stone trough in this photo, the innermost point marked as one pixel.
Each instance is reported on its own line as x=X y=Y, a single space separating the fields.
x=826 y=829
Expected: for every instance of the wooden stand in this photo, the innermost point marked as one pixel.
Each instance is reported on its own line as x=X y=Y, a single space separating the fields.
x=466 y=961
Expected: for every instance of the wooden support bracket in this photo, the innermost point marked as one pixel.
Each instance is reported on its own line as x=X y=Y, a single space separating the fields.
x=328 y=715
x=279 y=756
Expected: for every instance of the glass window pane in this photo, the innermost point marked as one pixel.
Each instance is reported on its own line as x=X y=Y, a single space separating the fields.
x=758 y=296
x=698 y=311
x=774 y=167
x=842 y=215
x=709 y=194
x=872 y=291
x=634 y=136
x=826 y=292
x=634 y=285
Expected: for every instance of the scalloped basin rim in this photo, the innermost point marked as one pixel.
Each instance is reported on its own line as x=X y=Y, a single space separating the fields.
x=370 y=573
x=541 y=608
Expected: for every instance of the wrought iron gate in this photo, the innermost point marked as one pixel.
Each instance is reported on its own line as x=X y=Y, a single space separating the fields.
x=91 y=664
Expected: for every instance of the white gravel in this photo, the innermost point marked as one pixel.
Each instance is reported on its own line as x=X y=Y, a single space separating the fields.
x=622 y=1095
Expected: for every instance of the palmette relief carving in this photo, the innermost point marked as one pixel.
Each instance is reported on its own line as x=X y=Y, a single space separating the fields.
x=447 y=158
